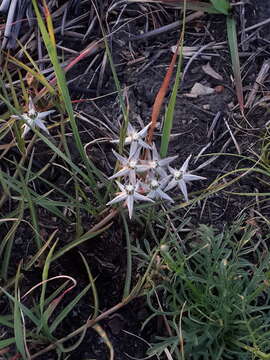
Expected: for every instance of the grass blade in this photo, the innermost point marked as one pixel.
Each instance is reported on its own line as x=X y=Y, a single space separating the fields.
x=129 y=260
x=5 y=343
x=169 y=116
x=222 y=6
x=233 y=45
x=77 y=242
x=160 y=98
x=19 y=330
x=68 y=309
x=49 y=42
x=194 y=5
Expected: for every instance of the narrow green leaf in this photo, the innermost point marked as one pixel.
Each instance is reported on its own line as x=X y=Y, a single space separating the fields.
x=223 y=6
x=93 y=285
x=68 y=309
x=62 y=85
x=19 y=331
x=233 y=44
x=5 y=343
x=194 y=5
x=169 y=115
x=129 y=260
x=23 y=308
x=7 y=242
x=31 y=205
x=45 y=274
x=77 y=242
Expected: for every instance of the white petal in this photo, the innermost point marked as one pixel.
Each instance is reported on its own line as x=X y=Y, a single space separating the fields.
x=189 y=177
x=121 y=172
x=118 y=198
x=172 y=170
x=120 y=158
x=167 y=160
x=144 y=144
x=171 y=185
x=142 y=168
x=185 y=165
x=132 y=177
x=133 y=148
x=31 y=106
x=161 y=172
x=140 y=197
x=130 y=203
x=121 y=187
x=163 y=195
x=25 y=130
x=155 y=152
x=128 y=140
x=164 y=181
x=136 y=155
x=130 y=129
x=152 y=194
x=44 y=114
x=28 y=120
x=143 y=132
x=40 y=124
x=183 y=187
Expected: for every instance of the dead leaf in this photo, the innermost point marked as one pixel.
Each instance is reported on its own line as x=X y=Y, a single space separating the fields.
x=211 y=72
x=199 y=89
x=187 y=51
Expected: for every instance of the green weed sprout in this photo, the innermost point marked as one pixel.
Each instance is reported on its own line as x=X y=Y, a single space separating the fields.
x=214 y=300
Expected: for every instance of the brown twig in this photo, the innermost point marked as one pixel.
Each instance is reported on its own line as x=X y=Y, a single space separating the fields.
x=88 y=324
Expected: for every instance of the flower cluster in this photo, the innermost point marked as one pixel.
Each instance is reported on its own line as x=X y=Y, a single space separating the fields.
x=147 y=179
x=33 y=118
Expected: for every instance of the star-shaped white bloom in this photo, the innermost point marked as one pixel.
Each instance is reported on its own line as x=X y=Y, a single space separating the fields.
x=130 y=166
x=129 y=193
x=156 y=189
x=135 y=138
x=33 y=118
x=181 y=177
x=157 y=164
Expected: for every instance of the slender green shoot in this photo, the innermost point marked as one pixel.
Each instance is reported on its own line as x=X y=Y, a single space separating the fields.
x=169 y=115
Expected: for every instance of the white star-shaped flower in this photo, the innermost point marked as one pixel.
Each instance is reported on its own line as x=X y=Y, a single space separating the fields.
x=135 y=138
x=181 y=177
x=130 y=166
x=157 y=164
x=129 y=193
x=33 y=118
x=156 y=189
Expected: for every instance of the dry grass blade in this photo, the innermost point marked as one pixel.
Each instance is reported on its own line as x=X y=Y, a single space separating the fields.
x=191 y=5
x=233 y=44
x=105 y=338
x=259 y=82
x=169 y=115
x=160 y=96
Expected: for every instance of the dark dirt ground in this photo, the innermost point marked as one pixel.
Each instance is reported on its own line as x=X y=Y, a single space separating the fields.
x=141 y=66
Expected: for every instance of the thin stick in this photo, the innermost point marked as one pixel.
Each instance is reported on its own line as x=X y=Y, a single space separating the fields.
x=88 y=324
x=258 y=82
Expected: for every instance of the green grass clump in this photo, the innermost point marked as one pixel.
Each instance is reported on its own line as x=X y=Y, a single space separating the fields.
x=214 y=300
